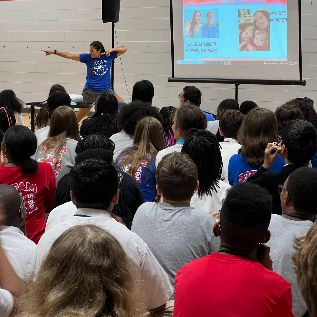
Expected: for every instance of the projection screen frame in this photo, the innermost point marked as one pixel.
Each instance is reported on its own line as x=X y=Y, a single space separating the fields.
x=238 y=82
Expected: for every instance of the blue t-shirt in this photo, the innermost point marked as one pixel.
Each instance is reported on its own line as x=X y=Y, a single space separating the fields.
x=239 y=170
x=98 y=71
x=209 y=116
x=210 y=31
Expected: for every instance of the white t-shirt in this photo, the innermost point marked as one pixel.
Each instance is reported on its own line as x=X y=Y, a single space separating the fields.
x=19 y=250
x=213 y=126
x=122 y=141
x=174 y=148
x=283 y=233
x=229 y=147
x=42 y=134
x=213 y=202
x=149 y=274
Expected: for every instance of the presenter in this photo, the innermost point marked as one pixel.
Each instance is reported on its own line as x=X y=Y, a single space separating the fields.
x=98 y=63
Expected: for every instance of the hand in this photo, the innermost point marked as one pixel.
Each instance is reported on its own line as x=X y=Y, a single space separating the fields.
x=48 y=52
x=107 y=53
x=270 y=153
x=263 y=256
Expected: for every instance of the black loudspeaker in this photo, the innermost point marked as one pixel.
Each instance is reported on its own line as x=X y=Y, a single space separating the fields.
x=110 y=10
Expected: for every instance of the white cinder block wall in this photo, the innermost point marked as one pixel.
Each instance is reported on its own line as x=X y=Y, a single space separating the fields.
x=27 y=26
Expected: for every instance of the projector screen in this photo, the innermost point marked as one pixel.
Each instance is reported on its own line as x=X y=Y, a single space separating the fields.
x=236 y=39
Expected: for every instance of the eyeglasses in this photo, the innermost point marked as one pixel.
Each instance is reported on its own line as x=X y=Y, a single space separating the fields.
x=281 y=189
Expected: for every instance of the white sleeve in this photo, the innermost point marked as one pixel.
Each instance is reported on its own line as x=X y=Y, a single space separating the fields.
x=155 y=282
x=6 y=303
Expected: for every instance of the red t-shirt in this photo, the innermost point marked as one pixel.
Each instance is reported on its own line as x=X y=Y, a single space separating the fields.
x=38 y=191
x=222 y=285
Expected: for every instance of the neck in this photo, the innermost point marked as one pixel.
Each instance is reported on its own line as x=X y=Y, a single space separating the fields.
x=177 y=203
x=291 y=213
x=247 y=254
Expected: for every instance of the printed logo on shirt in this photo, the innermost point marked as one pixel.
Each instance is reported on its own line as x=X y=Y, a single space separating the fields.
x=28 y=191
x=138 y=172
x=99 y=67
x=244 y=176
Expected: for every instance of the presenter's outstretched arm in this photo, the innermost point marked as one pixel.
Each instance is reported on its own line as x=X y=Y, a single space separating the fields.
x=68 y=55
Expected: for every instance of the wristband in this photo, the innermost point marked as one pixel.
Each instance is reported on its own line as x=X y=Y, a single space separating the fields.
x=55 y=51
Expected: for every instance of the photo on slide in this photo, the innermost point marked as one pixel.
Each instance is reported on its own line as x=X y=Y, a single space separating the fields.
x=254 y=30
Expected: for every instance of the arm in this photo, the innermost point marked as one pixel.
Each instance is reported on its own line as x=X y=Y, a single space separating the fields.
x=120 y=50
x=67 y=55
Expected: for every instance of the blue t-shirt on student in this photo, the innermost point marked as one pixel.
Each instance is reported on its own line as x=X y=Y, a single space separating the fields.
x=239 y=170
x=98 y=71
x=209 y=116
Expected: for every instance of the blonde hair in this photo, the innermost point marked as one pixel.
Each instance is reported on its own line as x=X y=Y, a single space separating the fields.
x=85 y=274
x=305 y=260
x=148 y=141
x=63 y=125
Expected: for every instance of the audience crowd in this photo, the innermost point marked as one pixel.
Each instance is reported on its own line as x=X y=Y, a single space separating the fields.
x=139 y=211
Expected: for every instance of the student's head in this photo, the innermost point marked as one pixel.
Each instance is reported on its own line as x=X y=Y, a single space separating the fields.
x=188 y=117
x=245 y=217
x=106 y=103
x=149 y=135
x=18 y=145
x=299 y=137
x=97 y=154
x=210 y=17
x=299 y=192
x=10 y=100
x=227 y=104
x=132 y=113
x=203 y=148
x=93 y=278
x=57 y=99
x=13 y=206
x=262 y=20
x=246 y=106
x=305 y=260
x=286 y=113
x=143 y=91
x=96 y=48
x=94 y=141
x=306 y=106
x=261 y=38
x=64 y=121
x=7 y=119
x=94 y=184
x=230 y=122
x=258 y=128
x=176 y=177
x=190 y=95
x=55 y=88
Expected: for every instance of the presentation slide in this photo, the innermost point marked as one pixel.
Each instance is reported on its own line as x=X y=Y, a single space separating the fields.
x=236 y=39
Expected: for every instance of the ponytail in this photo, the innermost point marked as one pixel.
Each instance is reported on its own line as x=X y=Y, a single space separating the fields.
x=29 y=166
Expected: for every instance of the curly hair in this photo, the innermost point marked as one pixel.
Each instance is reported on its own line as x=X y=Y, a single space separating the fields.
x=85 y=274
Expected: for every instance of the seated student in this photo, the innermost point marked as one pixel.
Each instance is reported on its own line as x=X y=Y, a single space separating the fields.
x=305 y=260
x=13 y=104
x=299 y=209
x=139 y=160
x=229 y=125
x=246 y=106
x=191 y=95
x=258 y=128
x=143 y=90
x=7 y=119
x=186 y=117
x=104 y=120
x=168 y=114
x=299 y=143
x=286 y=113
x=55 y=100
x=203 y=148
x=58 y=149
x=94 y=190
x=86 y=273
x=35 y=181
x=224 y=105
x=19 y=249
x=130 y=198
x=128 y=118
x=233 y=282
x=175 y=232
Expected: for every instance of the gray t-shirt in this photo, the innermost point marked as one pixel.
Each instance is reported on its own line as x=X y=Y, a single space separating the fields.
x=283 y=234
x=176 y=235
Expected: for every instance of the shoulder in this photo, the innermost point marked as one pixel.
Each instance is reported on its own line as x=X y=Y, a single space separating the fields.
x=84 y=57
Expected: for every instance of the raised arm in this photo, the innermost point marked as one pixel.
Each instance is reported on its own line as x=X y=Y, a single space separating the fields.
x=68 y=55
x=120 y=50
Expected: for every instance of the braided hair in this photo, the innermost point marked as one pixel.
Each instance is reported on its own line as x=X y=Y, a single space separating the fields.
x=167 y=114
x=204 y=149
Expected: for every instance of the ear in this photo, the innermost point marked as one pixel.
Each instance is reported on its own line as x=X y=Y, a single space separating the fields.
x=115 y=198
x=221 y=132
x=197 y=186
x=267 y=236
x=217 y=229
x=158 y=191
x=72 y=197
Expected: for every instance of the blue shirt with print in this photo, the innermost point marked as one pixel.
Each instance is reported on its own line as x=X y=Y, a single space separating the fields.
x=98 y=71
